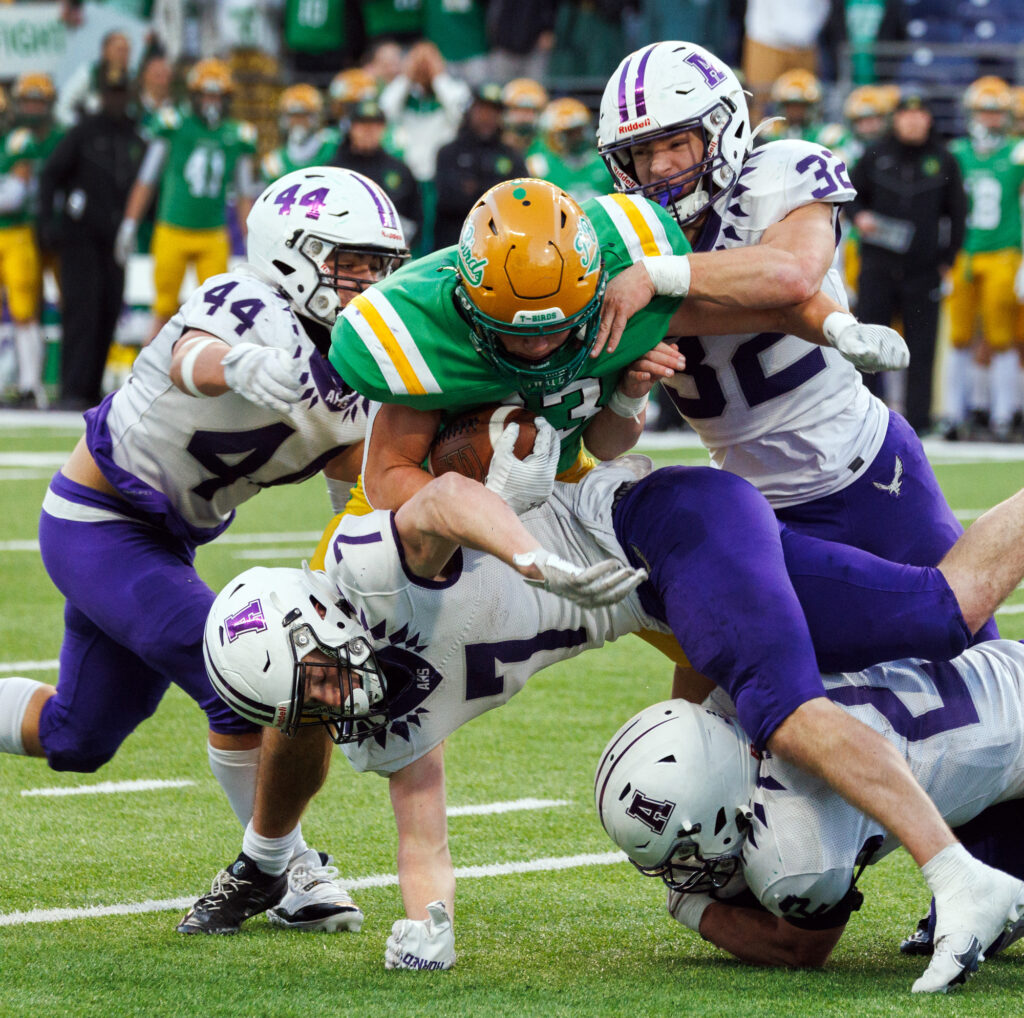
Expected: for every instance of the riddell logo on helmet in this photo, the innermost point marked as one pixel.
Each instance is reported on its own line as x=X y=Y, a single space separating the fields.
x=634 y=125
x=282 y=714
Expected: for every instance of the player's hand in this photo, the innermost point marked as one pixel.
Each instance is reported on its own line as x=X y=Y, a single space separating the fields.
x=688 y=909
x=124 y=242
x=604 y=583
x=629 y=292
x=422 y=943
x=661 y=362
x=264 y=375
x=867 y=347
x=1018 y=284
x=528 y=482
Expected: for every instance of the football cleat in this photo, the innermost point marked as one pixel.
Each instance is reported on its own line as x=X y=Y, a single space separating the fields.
x=1008 y=936
x=921 y=941
x=238 y=893
x=315 y=901
x=986 y=905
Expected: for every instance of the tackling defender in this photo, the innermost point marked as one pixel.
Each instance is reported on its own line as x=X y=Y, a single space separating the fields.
x=234 y=395
x=681 y=791
x=400 y=599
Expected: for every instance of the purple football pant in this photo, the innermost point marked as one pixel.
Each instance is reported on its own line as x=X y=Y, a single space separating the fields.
x=134 y=620
x=896 y=512
x=720 y=578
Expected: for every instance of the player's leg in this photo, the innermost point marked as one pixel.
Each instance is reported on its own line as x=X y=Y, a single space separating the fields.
x=170 y=260
x=24 y=287
x=998 y=313
x=211 y=251
x=959 y=365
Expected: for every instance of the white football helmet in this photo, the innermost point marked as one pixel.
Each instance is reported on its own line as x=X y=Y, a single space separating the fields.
x=262 y=625
x=664 y=89
x=673 y=792
x=303 y=218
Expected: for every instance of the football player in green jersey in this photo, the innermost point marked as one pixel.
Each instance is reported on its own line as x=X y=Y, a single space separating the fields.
x=196 y=157
x=306 y=142
x=992 y=163
x=22 y=152
x=565 y=153
x=796 y=98
x=513 y=314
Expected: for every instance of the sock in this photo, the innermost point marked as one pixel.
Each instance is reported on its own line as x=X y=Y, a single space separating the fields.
x=272 y=855
x=15 y=694
x=1003 y=373
x=959 y=371
x=944 y=870
x=28 y=338
x=235 y=771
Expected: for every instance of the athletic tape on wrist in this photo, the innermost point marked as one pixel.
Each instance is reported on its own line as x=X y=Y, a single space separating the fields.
x=628 y=406
x=670 y=274
x=188 y=365
x=835 y=323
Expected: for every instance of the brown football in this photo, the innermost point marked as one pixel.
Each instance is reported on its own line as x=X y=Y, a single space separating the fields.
x=466 y=443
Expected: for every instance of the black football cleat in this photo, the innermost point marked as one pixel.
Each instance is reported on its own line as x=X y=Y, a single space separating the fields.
x=238 y=893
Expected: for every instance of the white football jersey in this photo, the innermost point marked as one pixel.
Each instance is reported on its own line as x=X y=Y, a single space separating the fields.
x=794 y=419
x=959 y=724
x=472 y=640
x=195 y=460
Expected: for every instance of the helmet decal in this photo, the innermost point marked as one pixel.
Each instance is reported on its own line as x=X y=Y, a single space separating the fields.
x=653 y=813
x=587 y=247
x=388 y=214
x=711 y=75
x=638 y=88
x=470 y=266
x=249 y=619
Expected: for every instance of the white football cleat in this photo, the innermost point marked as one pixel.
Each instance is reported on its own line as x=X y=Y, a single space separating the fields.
x=985 y=906
x=315 y=902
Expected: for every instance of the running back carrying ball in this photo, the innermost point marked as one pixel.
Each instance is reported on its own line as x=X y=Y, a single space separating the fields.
x=466 y=443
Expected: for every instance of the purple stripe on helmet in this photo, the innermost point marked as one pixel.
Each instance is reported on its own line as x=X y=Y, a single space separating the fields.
x=623 y=108
x=386 y=211
x=641 y=101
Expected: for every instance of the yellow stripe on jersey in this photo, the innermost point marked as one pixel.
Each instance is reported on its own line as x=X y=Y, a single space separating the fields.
x=390 y=344
x=648 y=244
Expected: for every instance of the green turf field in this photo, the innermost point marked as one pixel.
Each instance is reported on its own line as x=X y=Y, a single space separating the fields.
x=579 y=933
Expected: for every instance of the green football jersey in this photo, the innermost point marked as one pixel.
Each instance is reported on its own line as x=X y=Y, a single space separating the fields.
x=200 y=168
x=584 y=176
x=15 y=148
x=280 y=161
x=993 y=182
x=404 y=341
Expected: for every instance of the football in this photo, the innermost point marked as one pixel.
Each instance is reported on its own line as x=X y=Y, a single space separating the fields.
x=466 y=443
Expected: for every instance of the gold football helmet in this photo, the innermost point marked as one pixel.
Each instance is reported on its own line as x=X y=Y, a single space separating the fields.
x=300 y=100
x=988 y=94
x=529 y=264
x=34 y=86
x=210 y=77
x=349 y=87
x=524 y=94
x=866 y=101
x=796 y=86
x=564 y=124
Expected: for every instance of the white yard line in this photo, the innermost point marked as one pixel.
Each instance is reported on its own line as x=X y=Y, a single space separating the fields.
x=546 y=865
x=110 y=787
x=10 y=667
x=505 y=807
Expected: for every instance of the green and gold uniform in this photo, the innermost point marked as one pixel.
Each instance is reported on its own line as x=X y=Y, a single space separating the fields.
x=584 y=176
x=280 y=161
x=403 y=340
x=984 y=271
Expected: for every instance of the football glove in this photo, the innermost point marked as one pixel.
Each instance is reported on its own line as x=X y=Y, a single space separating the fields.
x=1018 y=285
x=422 y=943
x=124 y=242
x=867 y=347
x=688 y=909
x=604 y=583
x=524 y=483
x=264 y=375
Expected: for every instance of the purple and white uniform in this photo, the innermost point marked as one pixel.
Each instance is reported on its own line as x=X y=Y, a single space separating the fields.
x=135 y=605
x=796 y=420
x=960 y=726
x=472 y=640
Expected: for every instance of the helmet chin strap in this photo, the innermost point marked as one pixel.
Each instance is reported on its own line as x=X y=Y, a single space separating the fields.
x=690 y=203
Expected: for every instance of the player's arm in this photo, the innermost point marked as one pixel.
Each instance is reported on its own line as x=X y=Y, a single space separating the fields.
x=453 y=510
x=425 y=940
x=203 y=366
x=425 y=872
x=139 y=198
x=398 y=440
x=247 y=189
x=758 y=937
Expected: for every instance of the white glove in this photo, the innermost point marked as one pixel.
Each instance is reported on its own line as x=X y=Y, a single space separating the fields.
x=124 y=242
x=604 y=583
x=264 y=375
x=524 y=483
x=867 y=347
x=1018 y=284
x=422 y=943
